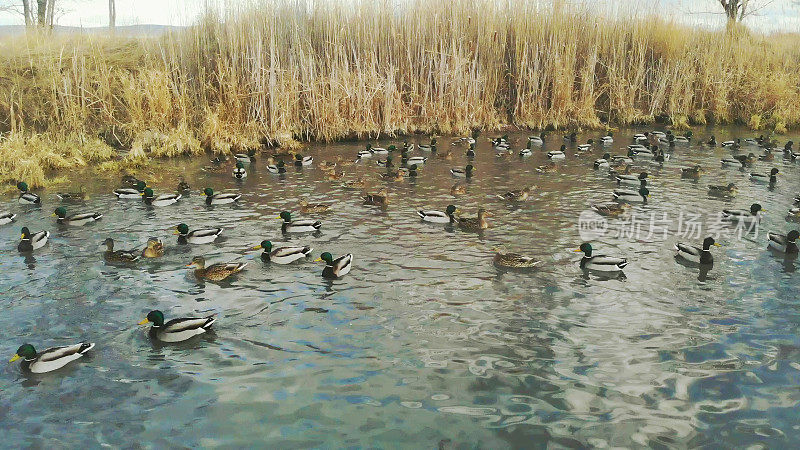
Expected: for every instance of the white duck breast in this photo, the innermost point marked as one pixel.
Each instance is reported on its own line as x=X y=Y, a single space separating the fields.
x=239 y=173
x=602 y=263
x=558 y=154
x=6 y=218
x=222 y=199
x=433 y=216
x=286 y=255
x=81 y=219
x=28 y=198
x=203 y=235
x=302 y=226
x=178 y=330
x=166 y=199
x=58 y=357
x=127 y=193
x=628 y=196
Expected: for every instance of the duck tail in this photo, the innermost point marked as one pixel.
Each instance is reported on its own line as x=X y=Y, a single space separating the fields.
x=85 y=347
x=209 y=321
x=307 y=251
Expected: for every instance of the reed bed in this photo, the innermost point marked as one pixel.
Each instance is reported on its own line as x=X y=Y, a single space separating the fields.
x=284 y=72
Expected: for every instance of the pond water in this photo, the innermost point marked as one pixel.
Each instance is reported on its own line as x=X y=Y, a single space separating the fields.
x=425 y=343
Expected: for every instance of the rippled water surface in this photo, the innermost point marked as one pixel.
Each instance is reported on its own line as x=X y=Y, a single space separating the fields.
x=425 y=342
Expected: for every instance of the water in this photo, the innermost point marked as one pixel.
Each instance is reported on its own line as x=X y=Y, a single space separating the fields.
x=425 y=342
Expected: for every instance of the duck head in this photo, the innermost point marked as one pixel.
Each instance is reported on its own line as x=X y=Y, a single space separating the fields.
x=182 y=229
x=155 y=317
x=60 y=212
x=22 y=186
x=208 y=192
x=286 y=216
x=755 y=208
x=708 y=242
x=586 y=248
x=24 y=351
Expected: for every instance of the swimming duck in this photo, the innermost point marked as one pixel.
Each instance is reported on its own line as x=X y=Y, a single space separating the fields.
x=618 y=160
x=587 y=146
x=214 y=272
x=550 y=168
x=631 y=179
x=712 y=142
x=279 y=168
x=50 y=359
x=154 y=248
x=246 y=158
x=628 y=196
x=557 y=154
x=75 y=196
x=435 y=216
x=755 y=141
x=609 y=209
x=301 y=161
x=298 y=226
x=390 y=175
x=692 y=172
x=199 y=236
x=307 y=208
x=162 y=200
x=325 y=165
x=685 y=139
x=736 y=161
x=429 y=148
x=471 y=151
x=336 y=268
x=743 y=215
x=762 y=178
x=75 y=219
x=732 y=144
x=515 y=261
x=366 y=153
x=525 y=152
x=767 y=156
x=377 y=150
x=176 y=330
x=793 y=215
x=458 y=189
x=644 y=152
x=407 y=147
x=282 y=255
x=517 y=195
x=602 y=163
x=31 y=242
x=333 y=175
x=358 y=183
x=608 y=139
x=501 y=143
x=572 y=137
x=238 y=172
x=694 y=253
x=26 y=197
x=220 y=199
x=130 y=193
x=722 y=191
x=385 y=162
x=475 y=223
x=600 y=263
x=183 y=186
x=124 y=256
x=413 y=161
x=7 y=217
x=463 y=173
x=379 y=199
x=536 y=140
x=784 y=243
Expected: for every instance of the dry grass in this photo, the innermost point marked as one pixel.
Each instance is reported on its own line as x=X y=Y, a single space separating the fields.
x=285 y=72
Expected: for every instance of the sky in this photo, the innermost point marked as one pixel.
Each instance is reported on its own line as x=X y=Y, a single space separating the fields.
x=775 y=16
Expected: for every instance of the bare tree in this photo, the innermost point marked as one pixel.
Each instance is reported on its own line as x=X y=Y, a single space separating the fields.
x=112 y=14
x=737 y=10
x=35 y=12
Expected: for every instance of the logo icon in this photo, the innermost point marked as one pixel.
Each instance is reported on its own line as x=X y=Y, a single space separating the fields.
x=591 y=225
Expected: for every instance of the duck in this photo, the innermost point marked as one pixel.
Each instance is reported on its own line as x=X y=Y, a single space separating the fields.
x=377 y=150
x=644 y=151
x=517 y=195
x=154 y=248
x=74 y=196
x=685 y=139
x=767 y=156
x=536 y=140
x=214 y=272
x=428 y=148
x=549 y=168
x=238 y=172
x=358 y=183
x=525 y=152
x=325 y=165
x=793 y=215
x=514 y=261
x=734 y=144
x=26 y=197
x=387 y=163
x=501 y=143
x=278 y=169
x=763 y=178
x=572 y=137
x=7 y=217
x=434 y=216
x=691 y=172
x=76 y=219
x=130 y=193
x=51 y=359
x=755 y=141
x=392 y=175
x=466 y=172
x=610 y=209
x=712 y=142
x=694 y=253
x=737 y=161
x=743 y=215
x=602 y=163
x=631 y=179
x=150 y=199
x=246 y=158
x=198 y=236
x=32 y=241
x=410 y=171
x=600 y=263
x=587 y=146
x=307 y=208
x=123 y=256
x=458 y=189
x=282 y=255
x=628 y=196
x=608 y=139
x=176 y=330
x=183 y=186
x=471 y=151
x=220 y=199
x=475 y=223
x=334 y=176
x=303 y=161
x=784 y=243
x=413 y=161
x=298 y=226
x=379 y=199
x=557 y=154
x=407 y=147
x=722 y=191
x=366 y=153
x=336 y=268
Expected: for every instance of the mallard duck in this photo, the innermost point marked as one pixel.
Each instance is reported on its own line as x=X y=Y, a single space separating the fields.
x=722 y=191
x=712 y=142
x=366 y=153
x=755 y=141
x=793 y=215
x=762 y=178
x=282 y=255
x=32 y=241
x=734 y=161
x=558 y=154
x=603 y=163
x=307 y=208
x=325 y=165
x=644 y=152
x=471 y=151
x=767 y=156
x=75 y=219
x=183 y=186
x=732 y=144
x=641 y=137
x=130 y=180
x=413 y=160
x=379 y=199
x=515 y=261
x=335 y=268
x=298 y=226
x=685 y=139
x=50 y=359
x=784 y=243
x=549 y=168
x=130 y=193
x=434 y=216
x=458 y=189
x=246 y=158
x=162 y=200
x=214 y=272
x=630 y=196
x=600 y=263
x=619 y=160
x=525 y=152
x=466 y=172
x=358 y=183
x=428 y=148
x=572 y=137
x=154 y=248
x=631 y=179
x=608 y=139
x=220 y=199
x=692 y=172
x=587 y=146
x=475 y=223
x=333 y=176
x=410 y=171
x=694 y=253
x=277 y=169
x=384 y=162
x=7 y=217
x=377 y=150
x=743 y=215
x=407 y=147
x=176 y=330
x=609 y=209
x=26 y=197
x=238 y=172
x=300 y=160
x=536 y=140
x=124 y=256
x=75 y=196
x=517 y=195
x=392 y=175
x=199 y=236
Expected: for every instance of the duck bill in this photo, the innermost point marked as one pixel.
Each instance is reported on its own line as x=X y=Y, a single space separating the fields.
x=144 y=322
x=16 y=357
x=176 y=232
x=189 y=265
x=717 y=245
x=318 y=260
x=257 y=247
x=577 y=250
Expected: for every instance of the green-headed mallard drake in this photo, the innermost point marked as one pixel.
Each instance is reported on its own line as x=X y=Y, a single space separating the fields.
x=476 y=224
x=199 y=236
x=466 y=172
x=220 y=199
x=692 y=172
x=695 y=254
x=238 y=172
x=558 y=154
x=26 y=197
x=32 y=241
x=379 y=199
x=307 y=208
x=387 y=163
x=176 y=330
x=130 y=193
x=76 y=219
x=412 y=160
x=630 y=196
x=784 y=243
x=336 y=268
x=162 y=200
x=277 y=169
x=123 y=256
x=515 y=261
x=608 y=139
x=434 y=216
x=631 y=179
x=603 y=163
x=763 y=178
x=428 y=148
x=282 y=255
x=722 y=190
x=246 y=158
x=377 y=150
x=517 y=195
x=300 y=160
x=600 y=263
x=154 y=248
x=537 y=140
x=471 y=151
x=298 y=226
x=410 y=171
x=587 y=146
x=214 y=272
x=743 y=215
x=74 y=196
x=50 y=359
x=7 y=217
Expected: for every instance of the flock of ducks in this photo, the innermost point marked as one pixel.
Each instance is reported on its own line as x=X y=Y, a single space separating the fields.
x=647 y=150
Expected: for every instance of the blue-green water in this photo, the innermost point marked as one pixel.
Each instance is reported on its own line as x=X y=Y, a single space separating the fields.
x=425 y=342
